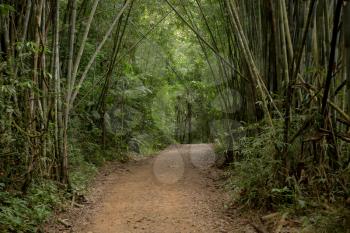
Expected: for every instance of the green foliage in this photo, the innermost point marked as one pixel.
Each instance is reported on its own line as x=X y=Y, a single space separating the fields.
x=25 y=214
x=5 y=9
x=254 y=177
x=258 y=180
x=84 y=167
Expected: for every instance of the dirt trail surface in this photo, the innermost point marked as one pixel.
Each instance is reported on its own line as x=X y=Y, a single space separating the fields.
x=175 y=191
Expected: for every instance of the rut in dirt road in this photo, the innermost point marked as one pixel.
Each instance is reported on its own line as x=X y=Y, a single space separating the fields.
x=172 y=192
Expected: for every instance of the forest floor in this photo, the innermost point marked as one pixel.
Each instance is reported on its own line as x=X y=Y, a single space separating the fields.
x=176 y=191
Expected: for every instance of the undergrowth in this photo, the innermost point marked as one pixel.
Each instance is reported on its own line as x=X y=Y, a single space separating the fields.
x=313 y=193
x=26 y=213
x=22 y=213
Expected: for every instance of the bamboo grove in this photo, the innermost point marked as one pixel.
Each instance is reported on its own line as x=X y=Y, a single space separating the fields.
x=41 y=79
x=289 y=60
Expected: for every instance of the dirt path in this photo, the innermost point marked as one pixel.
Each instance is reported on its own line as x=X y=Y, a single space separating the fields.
x=173 y=192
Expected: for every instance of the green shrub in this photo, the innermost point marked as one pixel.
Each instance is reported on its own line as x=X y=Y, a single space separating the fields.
x=258 y=180
x=25 y=214
x=82 y=170
x=254 y=174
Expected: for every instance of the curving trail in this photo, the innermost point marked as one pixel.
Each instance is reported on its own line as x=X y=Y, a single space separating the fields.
x=173 y=192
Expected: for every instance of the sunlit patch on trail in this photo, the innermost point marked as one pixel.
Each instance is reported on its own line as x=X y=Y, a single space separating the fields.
x=169 y=167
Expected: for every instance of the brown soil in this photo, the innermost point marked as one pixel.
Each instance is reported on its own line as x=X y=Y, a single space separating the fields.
x=176 y=191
